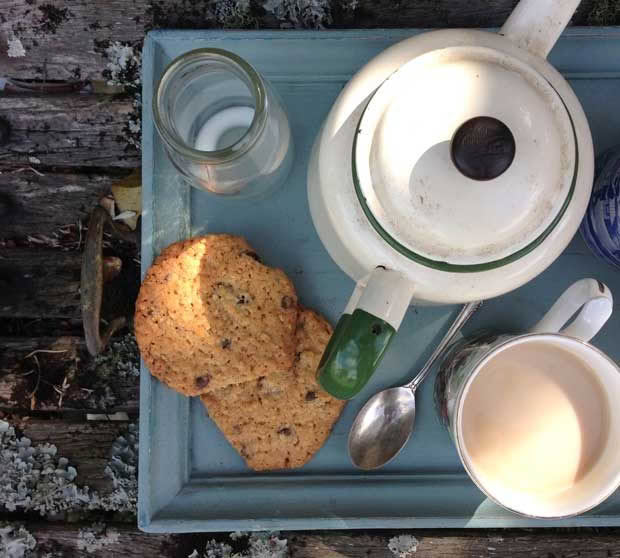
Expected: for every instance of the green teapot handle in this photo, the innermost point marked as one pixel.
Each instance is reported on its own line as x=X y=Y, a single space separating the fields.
x=364 y=332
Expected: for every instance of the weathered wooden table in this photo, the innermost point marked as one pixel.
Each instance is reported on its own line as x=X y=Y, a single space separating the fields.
x=69 y=129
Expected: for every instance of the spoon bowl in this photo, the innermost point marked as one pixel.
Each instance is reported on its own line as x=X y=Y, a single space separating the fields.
x=384 y=424
x=387 y=418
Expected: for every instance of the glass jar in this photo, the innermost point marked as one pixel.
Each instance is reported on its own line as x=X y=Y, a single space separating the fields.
x=223 y=125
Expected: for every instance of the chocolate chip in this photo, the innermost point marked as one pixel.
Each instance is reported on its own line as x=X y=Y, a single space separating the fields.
x=311 y=396
x=287 y=302
x=243 y=299
x=226 y=343
x=252 y=255
x=286 y=431
x=202 y=381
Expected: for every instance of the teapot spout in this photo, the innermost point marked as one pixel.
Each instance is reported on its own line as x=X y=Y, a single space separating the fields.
x=536 y=25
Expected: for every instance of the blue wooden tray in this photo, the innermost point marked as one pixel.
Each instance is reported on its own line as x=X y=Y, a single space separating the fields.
x=190 y=478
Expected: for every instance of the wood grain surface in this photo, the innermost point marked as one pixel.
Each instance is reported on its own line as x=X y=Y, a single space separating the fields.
x=39 y=283
x=131 y=543
x=32 y=205
x=35 y=384
x=45 y=283
x=85 y=444
x=70 y=42
x=431 y=544
x=20 y=372
x=463 y=544
x=67 y=130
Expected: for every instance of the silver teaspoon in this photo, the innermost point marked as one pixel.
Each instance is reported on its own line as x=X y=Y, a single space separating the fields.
x=383 y=426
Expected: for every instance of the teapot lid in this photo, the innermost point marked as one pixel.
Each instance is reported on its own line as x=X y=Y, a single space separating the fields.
x=465 y=159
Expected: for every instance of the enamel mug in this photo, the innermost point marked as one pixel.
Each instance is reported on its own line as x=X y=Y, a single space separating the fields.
x=534 y=416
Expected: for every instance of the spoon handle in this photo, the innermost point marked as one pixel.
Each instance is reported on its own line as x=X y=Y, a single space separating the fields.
x=464 y=315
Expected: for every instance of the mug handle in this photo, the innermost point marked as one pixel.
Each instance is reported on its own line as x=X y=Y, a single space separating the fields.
x=365 y=329
x=592 y=303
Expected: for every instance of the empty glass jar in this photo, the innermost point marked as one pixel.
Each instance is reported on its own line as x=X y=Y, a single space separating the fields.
x=223 y=125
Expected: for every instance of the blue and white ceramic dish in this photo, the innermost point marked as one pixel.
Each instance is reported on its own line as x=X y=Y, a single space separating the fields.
x=600 y=228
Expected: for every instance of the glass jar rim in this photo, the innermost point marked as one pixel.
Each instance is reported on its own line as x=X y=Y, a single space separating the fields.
x=257 y=89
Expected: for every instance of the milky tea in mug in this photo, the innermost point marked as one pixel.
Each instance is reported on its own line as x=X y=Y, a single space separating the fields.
x=533 y=415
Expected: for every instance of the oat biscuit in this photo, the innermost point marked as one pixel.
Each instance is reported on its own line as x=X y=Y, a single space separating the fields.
x=281 y=420
x=210 y=314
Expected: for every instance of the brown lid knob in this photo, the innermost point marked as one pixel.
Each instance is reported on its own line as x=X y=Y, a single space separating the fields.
x=483 y=148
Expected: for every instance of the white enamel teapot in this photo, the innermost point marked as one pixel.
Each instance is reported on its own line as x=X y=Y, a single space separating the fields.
x=455 y=166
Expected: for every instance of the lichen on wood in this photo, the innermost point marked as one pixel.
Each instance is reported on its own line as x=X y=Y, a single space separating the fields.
x=94 y=538
x=51 y=17
x=16 y=541
x=123 y=68
x=117 y=366
x=35 y=478
x=259 y=545
x=235 y=14
x=403 y=546
x=604 y=12
x=313 y=14
x=122 y=469
x=15 y=48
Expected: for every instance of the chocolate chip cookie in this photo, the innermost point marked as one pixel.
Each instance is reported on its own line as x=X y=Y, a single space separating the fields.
x=210 y=314
x=280 y=420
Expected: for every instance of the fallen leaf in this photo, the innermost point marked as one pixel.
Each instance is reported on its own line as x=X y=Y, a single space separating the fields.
x=125 y=215
x=103 y=88
x=128 y=196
